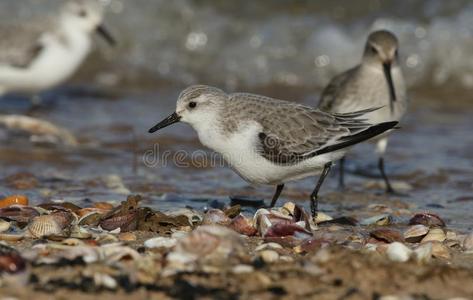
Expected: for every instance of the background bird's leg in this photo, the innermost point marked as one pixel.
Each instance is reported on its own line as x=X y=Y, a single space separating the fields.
x=381 y=149
x=279 y=189
x=341 y=175
x=314 y=201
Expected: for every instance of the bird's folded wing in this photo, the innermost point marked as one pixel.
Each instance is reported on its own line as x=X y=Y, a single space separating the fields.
x=19 y=45
x=335 y=90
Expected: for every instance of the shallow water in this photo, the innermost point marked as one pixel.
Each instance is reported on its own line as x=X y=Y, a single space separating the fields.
x=288 y=51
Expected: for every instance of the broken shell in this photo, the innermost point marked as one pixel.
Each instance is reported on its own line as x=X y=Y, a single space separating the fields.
x=434 y=235
x=380 y=220
x=92 y=218
x=4 y=225
x=427 y=219
x=160 y=242
x=283 y=229
x=14 y=200
x=90 y=210
x=288 y=208
x=269 y=256
x=18 y=213
x=398 y=252
x=468 y=242
x=322 y=217
x=43 y=226
x=215 y=216
x=387 y=235
x=243 y=225
x=415 y=233
x=423 y=253
x=439 y=250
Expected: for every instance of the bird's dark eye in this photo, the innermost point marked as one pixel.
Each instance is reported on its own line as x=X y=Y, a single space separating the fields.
x=373 y=49
x=192 y=104
x=82 y=13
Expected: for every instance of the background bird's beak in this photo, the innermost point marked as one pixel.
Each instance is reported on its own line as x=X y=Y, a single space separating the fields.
x=389 y=79
x=103 y=32
x=174 y=118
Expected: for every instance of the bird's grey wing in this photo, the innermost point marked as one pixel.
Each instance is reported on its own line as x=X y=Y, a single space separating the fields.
x=335 y=90
x=19 y=45
x=289 y=131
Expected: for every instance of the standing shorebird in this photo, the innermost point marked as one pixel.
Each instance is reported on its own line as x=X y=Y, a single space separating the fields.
x=35 y=57
x=376 y=82
x=270 y=141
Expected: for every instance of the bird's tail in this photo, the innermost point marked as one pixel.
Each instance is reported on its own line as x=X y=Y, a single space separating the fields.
x=358 y=137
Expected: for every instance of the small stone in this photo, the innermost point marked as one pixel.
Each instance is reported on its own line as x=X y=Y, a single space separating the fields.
x=159 y=242
x=243 y=269
x=269 y=256
x=398 y=252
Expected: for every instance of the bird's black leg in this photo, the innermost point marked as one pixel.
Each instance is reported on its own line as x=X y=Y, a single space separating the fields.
x=389 y=188
x=341 y=175
x=279 y=189
x=314 y=201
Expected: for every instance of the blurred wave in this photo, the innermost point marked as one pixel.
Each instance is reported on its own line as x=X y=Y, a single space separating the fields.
x=260 y=43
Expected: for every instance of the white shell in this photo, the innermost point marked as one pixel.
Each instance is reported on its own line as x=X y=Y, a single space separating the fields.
x=423 y=253
x=398 y=252
x=269 y=256
x=4 y=225
x=159 y=242
x=415 y=233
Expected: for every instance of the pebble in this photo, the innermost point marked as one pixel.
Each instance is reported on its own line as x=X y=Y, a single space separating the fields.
x=269 y=256
x=127 y=236
x=159 y=242
x=243 y=269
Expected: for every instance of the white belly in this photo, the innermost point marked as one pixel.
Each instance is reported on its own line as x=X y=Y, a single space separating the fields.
x=239 y=150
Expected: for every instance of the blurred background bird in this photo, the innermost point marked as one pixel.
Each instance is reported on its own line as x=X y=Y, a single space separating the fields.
x=376 y=82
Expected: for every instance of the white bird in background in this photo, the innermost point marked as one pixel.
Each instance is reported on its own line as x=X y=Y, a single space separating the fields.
x=38 y=56
x=376 y=82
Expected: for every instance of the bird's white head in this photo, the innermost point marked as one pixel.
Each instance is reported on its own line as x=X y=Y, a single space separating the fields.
x=196 y=105
x=85 y=16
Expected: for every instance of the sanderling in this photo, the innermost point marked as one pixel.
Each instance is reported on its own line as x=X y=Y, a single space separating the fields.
x=35 y=57
x=376 y=82
x=270 y=141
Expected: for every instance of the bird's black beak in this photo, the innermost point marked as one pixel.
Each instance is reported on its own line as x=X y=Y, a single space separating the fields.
x=174 y=118
x=389 y=80
x=103 y=32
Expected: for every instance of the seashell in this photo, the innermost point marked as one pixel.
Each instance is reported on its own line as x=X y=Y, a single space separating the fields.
x=468 y=242
x=322 y=217
x=18 y=213
x=4 y=225
x=105 y=280
x=127 y=236
x=215 y=216
x=423 y=253
x=44 y=225
x=283 y=229
x=126 y=222
x=160 y=242
x=10 y=260
x=14 y=200
x=63 y=218
x=427 y=219
x=439 y=250
x=398 y=252
x=233 y=211
x=434 y=235
x=194 y=217
x=92 y=218
x=243 y=225
x=103 y=206
x=415 y=233
x=288 y=208
x=262 y=224
x=89 y=210
x=387 y=235
x=60 y=206
x=269 y=256
x=380 y=220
